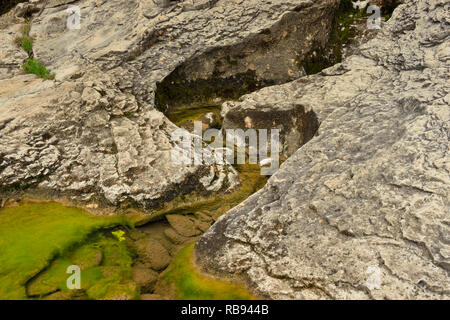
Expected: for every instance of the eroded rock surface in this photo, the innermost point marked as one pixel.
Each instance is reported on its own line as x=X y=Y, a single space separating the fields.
x=93 y=133
x=362 y=210
x=297 y=123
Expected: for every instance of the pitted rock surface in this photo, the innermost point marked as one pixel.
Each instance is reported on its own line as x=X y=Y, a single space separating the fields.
x=94 y=132
x=362 y=210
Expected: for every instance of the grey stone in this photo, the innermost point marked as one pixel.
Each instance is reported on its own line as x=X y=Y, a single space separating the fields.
x=362 y=210
x=95 y=129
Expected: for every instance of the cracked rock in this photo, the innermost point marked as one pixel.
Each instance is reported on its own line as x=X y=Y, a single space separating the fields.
x=361 y=211
x=103 y=135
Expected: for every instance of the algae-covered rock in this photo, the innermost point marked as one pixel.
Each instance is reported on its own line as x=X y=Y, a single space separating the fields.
x=87 y=256
x=124 y=291
x=151 y=297
x=174 y=236
x=152 y=253
x=145 y=277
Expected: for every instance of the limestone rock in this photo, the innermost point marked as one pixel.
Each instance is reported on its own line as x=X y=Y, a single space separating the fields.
x=174 y=236
x=152 y=253
x=297 y=123
x=145 y=278
x=94 y=132
x=211 y=120
x=184 y=225
x=362 y=210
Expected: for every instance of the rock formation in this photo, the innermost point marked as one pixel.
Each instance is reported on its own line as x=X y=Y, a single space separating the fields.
x=359 y=210
x=94 y=132
x=362 y=210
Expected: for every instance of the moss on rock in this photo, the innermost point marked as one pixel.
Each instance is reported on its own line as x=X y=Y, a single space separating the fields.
x=183 y=281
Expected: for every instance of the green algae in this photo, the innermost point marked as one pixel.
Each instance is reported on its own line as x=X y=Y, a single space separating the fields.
x=320 y=58
x=106 y=271
x=39 y=240
x=180 y=114
x=190 y=284
x=32 y=235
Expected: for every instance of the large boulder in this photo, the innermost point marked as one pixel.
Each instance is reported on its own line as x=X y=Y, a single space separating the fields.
x=361 y=210
x=93 y=133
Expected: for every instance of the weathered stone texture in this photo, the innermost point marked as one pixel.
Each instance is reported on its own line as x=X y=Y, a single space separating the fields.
x=93 y=132
x=368 y=196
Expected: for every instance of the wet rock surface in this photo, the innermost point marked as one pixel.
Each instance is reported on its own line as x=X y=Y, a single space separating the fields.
x=93 y=133
x=361 y=210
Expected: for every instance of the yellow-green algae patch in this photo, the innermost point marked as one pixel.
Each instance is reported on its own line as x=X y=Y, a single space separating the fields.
x=39 y=240
x=106 y=272
x=189 y=284
x=33 y=234
x=178 y=115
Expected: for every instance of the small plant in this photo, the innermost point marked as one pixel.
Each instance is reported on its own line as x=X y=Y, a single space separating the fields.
x=33 y=66
x=25 y=41
x=119 y=234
